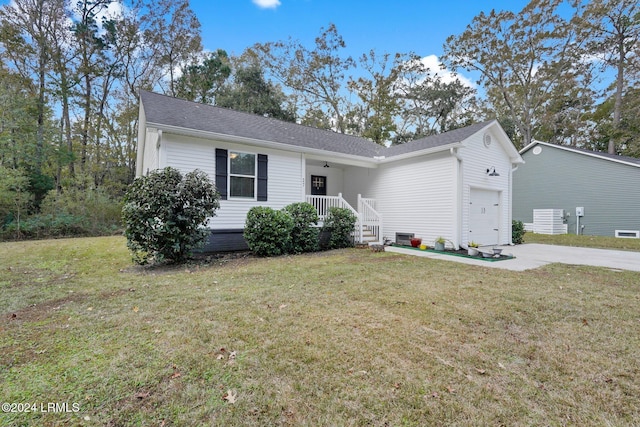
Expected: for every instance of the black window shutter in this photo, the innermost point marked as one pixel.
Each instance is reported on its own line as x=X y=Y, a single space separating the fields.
x=262 y=177
x=221 y=173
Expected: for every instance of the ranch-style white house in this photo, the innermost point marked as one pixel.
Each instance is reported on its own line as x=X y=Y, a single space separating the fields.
x=457 y=185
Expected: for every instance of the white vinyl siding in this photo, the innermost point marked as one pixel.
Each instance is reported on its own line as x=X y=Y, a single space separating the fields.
x=150 y=160
x=476 y=159
x=415 y=196
x=285 y=174
x=430 y=195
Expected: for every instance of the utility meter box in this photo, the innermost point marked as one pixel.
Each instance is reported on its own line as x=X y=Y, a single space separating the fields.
x=580 y=211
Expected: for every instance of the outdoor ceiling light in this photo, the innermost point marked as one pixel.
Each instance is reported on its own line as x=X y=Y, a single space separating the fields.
x=492 y=171
x=326 y=165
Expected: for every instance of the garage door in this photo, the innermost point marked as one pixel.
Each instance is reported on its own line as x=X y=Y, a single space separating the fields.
x=484 y=217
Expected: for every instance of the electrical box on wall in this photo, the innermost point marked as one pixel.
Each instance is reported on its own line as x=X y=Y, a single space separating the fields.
x=580 y=211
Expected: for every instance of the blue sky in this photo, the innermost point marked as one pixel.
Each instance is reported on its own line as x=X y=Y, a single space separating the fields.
x=386 y=26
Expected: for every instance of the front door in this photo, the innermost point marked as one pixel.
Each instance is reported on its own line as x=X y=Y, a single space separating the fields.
x=484 y=217
x=318 y=185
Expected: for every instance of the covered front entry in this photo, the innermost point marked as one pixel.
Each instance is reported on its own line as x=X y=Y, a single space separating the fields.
x=484 y=217
x=318 y=185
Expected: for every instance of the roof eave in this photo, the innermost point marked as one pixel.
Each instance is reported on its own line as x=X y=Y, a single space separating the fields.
x=569 y=149
x=317 y=153
x=423 y=152
x=511 y=149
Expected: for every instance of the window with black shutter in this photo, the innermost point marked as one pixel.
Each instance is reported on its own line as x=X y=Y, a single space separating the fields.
x=241 y=175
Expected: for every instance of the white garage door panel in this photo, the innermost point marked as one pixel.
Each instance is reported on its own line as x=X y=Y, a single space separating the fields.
x=484 y=217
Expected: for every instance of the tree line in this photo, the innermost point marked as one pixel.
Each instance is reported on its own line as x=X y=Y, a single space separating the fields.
x=559 y=71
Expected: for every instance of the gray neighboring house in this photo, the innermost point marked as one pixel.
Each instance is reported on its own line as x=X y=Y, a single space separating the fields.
x=606 y=186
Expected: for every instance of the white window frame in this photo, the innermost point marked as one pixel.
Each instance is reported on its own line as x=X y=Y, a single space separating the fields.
x=628 y=234
x=254 y=176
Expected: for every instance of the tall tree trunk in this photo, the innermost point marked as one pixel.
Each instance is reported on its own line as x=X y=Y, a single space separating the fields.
x=65 y=120
x=617 y=109
x=85 y=126
x=42 y=74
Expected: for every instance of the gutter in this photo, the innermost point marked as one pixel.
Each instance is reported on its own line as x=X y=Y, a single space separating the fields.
x=315 y=153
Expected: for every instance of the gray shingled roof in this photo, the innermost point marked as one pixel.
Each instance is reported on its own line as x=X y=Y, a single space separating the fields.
x=451 y=137
x=605 y=156
x=166 y=110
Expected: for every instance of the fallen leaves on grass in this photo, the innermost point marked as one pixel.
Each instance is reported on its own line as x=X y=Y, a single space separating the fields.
x=176 y=373
x=223 y=354
x=230 y=396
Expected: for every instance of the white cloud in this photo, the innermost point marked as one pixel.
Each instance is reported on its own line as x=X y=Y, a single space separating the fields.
x=435 y=66
x=267 y=4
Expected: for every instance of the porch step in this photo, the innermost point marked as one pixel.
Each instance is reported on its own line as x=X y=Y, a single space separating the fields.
x=368 y=238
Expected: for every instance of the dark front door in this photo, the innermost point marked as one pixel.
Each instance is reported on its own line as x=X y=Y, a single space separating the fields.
x=318 y=185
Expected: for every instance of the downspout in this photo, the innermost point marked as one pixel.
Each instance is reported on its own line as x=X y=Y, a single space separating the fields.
x=303 y=176
x=514 y=167
x=458 y=191
x=158 y=145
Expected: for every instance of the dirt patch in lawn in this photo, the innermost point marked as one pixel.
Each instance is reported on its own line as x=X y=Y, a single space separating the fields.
x=40 y=311
x=27 y=276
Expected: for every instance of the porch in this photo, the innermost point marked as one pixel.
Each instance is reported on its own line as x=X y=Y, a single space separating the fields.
x=368 y=227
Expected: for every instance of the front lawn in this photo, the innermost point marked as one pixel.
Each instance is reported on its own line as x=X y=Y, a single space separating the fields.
x=340 y=338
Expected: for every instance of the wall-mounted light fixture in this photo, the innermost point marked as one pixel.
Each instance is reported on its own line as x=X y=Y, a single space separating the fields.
x=492 y=171
x=326 y=165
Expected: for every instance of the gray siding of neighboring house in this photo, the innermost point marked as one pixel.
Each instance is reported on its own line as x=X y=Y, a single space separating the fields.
x=558 y=179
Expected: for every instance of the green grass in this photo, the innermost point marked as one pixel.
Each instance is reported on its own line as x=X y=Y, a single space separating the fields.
x=583 y=241
x=342 y=338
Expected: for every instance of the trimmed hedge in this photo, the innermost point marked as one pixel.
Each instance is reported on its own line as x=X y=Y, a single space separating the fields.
x=268 y=231
x=517 y=232
x=305 y=234
x=340 y=223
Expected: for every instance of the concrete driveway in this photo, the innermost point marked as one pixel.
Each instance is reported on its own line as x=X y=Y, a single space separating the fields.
x=534 y=255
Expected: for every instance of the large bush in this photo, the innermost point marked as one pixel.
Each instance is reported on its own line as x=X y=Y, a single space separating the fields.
x=165 y=214
x=15 y=200
x=304 y=235
x=268 y=231
x=44 y=226
x=340 y=223
x=90 y=211
x=517 y=232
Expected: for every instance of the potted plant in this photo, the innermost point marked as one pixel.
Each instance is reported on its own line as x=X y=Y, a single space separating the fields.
x=439 y=243
x=472 y=250
x=415 y=241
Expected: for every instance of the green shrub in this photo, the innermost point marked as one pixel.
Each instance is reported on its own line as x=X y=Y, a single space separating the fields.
x=15 y=200
x=165 y=214
x=93 y=207
x=304 y=235
x=517 y=232
x=340 y=223
x=268 y=231
x=44 y=226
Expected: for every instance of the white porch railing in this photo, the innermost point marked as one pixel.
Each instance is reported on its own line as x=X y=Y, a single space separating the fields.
x=324 y=203
x=368 y=220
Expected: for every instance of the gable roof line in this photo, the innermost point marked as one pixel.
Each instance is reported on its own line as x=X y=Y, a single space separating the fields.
x=630 y=161
x=256 y=142
x=186 y=117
